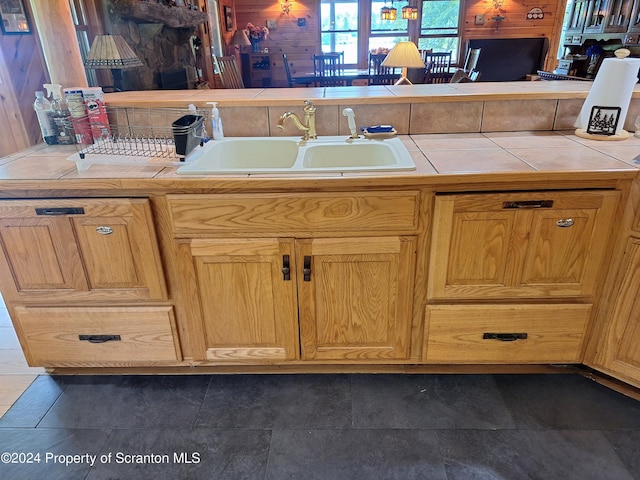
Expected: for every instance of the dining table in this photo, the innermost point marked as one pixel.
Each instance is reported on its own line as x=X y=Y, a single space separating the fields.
x=347 y=75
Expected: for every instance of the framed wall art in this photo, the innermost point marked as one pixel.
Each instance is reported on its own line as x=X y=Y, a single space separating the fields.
x=228 y=18
x=14 y=17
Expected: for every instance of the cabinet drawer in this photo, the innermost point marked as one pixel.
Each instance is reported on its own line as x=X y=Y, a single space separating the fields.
x=483 y=333
x=358 y=212
x=97 y=336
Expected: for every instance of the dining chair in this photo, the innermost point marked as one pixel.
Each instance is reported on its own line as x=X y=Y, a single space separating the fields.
x=229 y=72
x=438 y=65
x=287 y=70
x=328 y=67
x=471 y=59
x=379 y=75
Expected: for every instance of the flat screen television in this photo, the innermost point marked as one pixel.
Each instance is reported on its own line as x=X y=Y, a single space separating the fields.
x=509 y=59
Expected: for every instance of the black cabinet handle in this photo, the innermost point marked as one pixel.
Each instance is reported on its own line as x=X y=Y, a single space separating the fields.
x=286 y=268
x=528 y=204
x=99 y=338
x=306 y=270
x=504 y=337
x=60 y=211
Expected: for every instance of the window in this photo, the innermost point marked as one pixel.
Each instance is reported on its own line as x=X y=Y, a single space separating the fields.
x=339 y=26
x=355 y=27
x=439 y=26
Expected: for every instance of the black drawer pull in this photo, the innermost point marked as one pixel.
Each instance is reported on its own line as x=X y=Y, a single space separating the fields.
x=306 y=269
x=99 y=338
x=528 y=204
x=504 y=337
x=286 y=268
x=60 y=211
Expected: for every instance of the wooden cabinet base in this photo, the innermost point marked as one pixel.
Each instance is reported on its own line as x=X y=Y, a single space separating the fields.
x=97 y=336
x=513 y=334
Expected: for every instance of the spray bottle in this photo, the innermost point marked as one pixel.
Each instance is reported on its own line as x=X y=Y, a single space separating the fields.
x=43 y=112
x=216 y=122
x=60 y=113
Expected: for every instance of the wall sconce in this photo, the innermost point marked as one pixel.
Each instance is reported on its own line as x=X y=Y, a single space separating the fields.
x=286 y=5
x=497 y=4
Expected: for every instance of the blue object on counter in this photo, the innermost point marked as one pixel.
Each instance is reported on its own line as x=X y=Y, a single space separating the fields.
x=378 y=129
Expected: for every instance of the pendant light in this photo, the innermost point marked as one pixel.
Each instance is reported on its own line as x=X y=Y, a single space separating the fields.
x=409 y=13
x=387 y=13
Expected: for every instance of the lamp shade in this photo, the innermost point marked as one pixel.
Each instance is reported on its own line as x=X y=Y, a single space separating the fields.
x=404 y=55
x=240 y=38
x=111 y=51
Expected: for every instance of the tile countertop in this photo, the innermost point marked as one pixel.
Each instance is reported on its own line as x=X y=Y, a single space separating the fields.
x=463 y=92
x=439 y=158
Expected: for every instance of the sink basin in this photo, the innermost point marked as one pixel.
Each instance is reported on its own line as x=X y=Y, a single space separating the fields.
x=254 y=155
x=354 y=155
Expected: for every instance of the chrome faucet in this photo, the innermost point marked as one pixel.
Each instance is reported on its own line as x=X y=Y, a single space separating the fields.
x=309 y=127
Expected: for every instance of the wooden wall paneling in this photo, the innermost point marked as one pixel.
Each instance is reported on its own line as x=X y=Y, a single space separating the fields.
x=299 y=42
x=515 y=23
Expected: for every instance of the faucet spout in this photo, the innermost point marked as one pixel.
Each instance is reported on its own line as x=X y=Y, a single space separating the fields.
x=309 y=117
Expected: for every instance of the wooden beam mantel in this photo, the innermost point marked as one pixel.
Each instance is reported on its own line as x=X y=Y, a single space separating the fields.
x=150 y=11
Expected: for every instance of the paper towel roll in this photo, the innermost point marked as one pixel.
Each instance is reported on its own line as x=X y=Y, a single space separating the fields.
x=612 y=87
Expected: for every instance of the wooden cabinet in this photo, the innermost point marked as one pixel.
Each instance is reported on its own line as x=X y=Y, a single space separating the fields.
x=247 y=305
x=352 y=297
x=98 y=336
x=519 y=245
x=79 y=276
x=356 y=299
x=256 y=70
x=79 y=249
x=515 y=333
x=619 y=354
x=315 y=276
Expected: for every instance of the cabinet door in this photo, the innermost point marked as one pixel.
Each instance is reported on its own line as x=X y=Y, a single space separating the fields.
x=620 y=352
x=577 y=16
x=596 y=13
x=634 y=21
x=355 y=297
x=97 y=248
x=542 y=244
x=247 y=300
x=618 y=16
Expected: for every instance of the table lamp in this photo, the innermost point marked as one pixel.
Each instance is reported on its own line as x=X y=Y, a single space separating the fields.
x=112 y=52
x=404 y=55
x=240 y=38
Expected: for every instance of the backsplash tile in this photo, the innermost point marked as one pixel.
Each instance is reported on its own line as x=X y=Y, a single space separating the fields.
x=518 y=115
x=445 y=117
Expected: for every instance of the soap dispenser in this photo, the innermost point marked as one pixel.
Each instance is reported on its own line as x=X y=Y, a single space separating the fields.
x=216 y=122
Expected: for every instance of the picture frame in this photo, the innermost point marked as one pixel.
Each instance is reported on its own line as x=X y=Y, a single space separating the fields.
x=228 y=18
x=603 y=120
x=14 y=17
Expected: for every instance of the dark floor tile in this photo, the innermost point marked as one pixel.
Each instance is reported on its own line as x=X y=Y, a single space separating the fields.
x=128 y=402
x=355 y=455
x=50 y=444
x=529 y=454
x=212 y=454
x=34 y=403
x=277 y=401
x=626 y=443
x=428 y=401
x=566 y=401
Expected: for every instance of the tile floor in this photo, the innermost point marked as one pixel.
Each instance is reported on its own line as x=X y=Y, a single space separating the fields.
x=15 y=374
x=333 y=427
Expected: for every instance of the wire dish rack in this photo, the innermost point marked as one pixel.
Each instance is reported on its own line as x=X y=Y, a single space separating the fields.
x=133 y=136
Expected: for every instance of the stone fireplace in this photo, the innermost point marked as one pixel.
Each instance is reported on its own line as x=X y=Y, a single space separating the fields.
x=164 y=38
